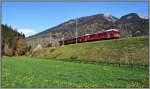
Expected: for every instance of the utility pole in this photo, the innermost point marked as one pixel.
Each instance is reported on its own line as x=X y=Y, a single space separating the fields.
x=76 y=32
x=63 y=39
x=92 y=28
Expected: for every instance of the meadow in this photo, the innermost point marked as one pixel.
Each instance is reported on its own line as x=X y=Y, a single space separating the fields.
x=130 y=50
x=25 y=72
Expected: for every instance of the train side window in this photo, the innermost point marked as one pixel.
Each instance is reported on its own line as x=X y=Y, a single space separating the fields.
x=90 y=36
x=105 y=34
x=111 y=33
x=94 y=35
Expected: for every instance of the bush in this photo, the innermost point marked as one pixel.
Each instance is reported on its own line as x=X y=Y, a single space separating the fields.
x=52 y=50
x=8 y=51
x=73 y=57
x=22 y=46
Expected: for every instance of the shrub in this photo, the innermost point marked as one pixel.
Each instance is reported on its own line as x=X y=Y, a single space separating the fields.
x=52 y=50
x=73 y=57
x=21 y=47
x=8 y=51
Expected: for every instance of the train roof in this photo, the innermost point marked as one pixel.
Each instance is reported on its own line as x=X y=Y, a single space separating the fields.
x=101 y=32
x=87 y=34
x=112 y=30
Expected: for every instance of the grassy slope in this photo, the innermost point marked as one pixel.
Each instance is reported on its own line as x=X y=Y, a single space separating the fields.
x=31 y=72
x=125 y=50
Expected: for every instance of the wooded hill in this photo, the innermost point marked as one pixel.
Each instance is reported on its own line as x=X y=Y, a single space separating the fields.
x=13 y=42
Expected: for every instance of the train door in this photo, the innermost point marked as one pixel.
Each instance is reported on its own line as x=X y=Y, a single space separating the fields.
x=84 y=38
x=92 y=37
x=100 y=35
x=105 y=34
x=88 y=38
x=79 y=39
x=108 y=34
x=111 y=34
x=96 y=37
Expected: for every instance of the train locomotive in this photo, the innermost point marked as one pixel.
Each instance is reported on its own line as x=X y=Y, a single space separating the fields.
x=108 y=34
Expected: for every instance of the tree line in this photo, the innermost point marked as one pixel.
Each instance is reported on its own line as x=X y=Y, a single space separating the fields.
x=12 y=42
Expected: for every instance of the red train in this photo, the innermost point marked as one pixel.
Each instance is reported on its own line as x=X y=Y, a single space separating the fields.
x=108 y=34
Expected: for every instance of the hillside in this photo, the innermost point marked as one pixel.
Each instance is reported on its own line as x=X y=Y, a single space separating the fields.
x=132 y=50
x=13 y=42
x=131 y=24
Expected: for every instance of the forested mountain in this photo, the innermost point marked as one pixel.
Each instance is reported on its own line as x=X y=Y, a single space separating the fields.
x=13 y=42
x=131 y=24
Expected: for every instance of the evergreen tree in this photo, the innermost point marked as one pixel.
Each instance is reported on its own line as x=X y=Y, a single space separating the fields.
x=12 y=41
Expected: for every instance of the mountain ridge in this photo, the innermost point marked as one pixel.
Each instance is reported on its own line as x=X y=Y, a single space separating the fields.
x=130 y=24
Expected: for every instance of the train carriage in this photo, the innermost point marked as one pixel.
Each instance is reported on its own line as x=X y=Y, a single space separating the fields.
x=113 y=33
x=108 y=34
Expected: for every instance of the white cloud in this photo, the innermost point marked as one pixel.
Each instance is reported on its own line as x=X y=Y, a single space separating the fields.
x=27 y=32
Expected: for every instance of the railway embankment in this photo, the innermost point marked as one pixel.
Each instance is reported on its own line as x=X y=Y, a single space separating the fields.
x=131 y=50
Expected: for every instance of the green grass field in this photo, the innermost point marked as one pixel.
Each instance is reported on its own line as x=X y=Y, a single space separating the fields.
x=26 y=72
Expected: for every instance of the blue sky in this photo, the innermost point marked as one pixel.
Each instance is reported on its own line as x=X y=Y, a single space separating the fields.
x=34 y=17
